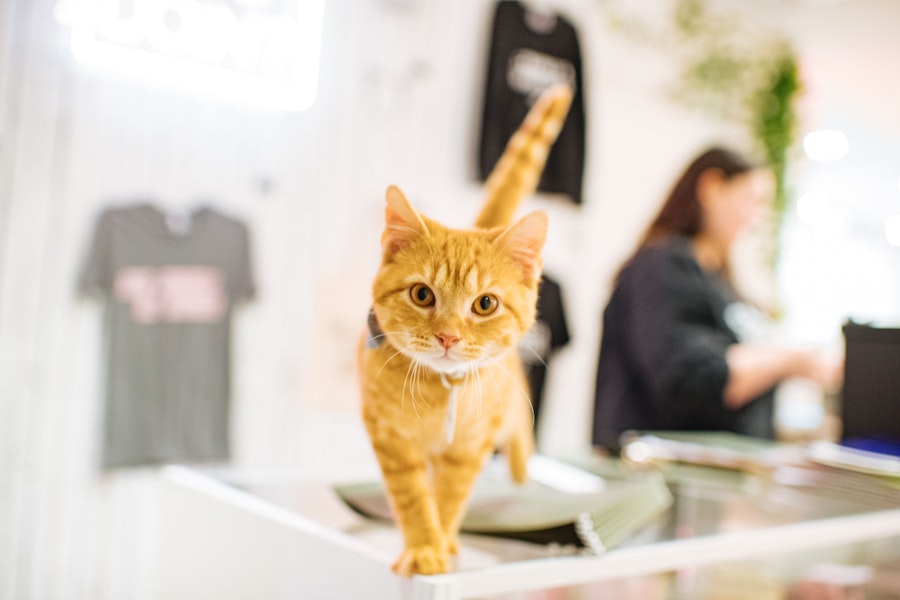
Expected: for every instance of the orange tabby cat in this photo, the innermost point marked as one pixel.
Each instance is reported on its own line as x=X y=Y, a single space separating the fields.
x=442 y=384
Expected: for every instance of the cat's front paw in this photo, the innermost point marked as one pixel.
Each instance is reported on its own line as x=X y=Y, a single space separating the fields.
x=453 y=543
x=425 y=560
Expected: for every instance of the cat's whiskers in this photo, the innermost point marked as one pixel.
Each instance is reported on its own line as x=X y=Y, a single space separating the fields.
x=392 y=356
x=418 y=380
x=416 y=368
x=493 y=379
x=385 y=334
x=534 y=352
x=409 y=369
x=496 y=361
x=414 y=385
x=411 y=376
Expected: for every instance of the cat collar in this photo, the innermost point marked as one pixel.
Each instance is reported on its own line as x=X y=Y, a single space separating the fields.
x=376 y=335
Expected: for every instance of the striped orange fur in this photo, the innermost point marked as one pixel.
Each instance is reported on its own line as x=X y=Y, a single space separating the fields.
x=451 y=306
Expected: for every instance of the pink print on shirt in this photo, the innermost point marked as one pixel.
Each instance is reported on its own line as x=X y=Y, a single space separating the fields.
x=182 y=294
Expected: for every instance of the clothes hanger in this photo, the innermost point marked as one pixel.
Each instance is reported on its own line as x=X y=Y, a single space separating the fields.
x=178 y=213
x=540 y=16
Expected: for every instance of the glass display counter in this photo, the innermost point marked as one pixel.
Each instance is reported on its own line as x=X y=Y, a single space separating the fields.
x=226 y=535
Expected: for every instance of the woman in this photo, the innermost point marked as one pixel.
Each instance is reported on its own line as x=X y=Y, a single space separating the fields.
x=672 y=356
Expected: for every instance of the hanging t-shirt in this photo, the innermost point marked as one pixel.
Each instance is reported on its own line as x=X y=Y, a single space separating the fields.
x=170 y=283
x=531 y=51
x=548 y=334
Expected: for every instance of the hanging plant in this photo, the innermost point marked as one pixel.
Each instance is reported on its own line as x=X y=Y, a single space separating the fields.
x=747 y=77
x=775 y=120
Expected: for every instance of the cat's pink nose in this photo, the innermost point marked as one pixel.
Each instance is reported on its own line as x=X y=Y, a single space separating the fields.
x=447 y=339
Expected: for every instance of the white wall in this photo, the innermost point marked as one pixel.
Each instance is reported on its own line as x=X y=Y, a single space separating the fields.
x=399 y=102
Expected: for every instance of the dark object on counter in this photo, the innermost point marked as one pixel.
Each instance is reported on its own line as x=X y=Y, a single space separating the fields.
x=871 y=395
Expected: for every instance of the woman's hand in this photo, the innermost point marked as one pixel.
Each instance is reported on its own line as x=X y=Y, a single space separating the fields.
x=754 y=369
x=819 y=366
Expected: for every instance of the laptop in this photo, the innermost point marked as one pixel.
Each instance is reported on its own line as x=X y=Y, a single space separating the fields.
x=870 y=405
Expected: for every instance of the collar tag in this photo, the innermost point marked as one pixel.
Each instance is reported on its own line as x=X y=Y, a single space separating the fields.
x=451 y=383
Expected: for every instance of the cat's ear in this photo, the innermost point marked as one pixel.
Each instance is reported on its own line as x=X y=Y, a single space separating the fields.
x=524 y=241
x=402 y=224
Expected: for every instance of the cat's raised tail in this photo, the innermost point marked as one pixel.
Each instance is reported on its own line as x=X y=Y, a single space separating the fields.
x=519 y=169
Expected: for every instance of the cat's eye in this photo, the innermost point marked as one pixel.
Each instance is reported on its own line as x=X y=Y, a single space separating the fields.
x=421 y=294
x=486 y=304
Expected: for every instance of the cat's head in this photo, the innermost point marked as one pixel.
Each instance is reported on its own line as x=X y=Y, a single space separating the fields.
x=455 y=300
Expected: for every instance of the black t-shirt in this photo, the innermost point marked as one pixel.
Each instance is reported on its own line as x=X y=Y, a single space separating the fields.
x=531 y=51
x=662 y=355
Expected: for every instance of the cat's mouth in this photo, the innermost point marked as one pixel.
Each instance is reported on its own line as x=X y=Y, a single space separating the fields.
x=445 y=363
x=445 y=358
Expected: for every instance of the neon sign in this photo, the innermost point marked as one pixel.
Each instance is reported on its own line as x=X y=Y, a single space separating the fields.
x=261 y=52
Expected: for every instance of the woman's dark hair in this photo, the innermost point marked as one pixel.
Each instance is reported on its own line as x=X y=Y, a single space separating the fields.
x=681 y=213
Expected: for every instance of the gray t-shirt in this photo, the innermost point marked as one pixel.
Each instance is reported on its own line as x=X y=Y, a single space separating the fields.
x=170 y=286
